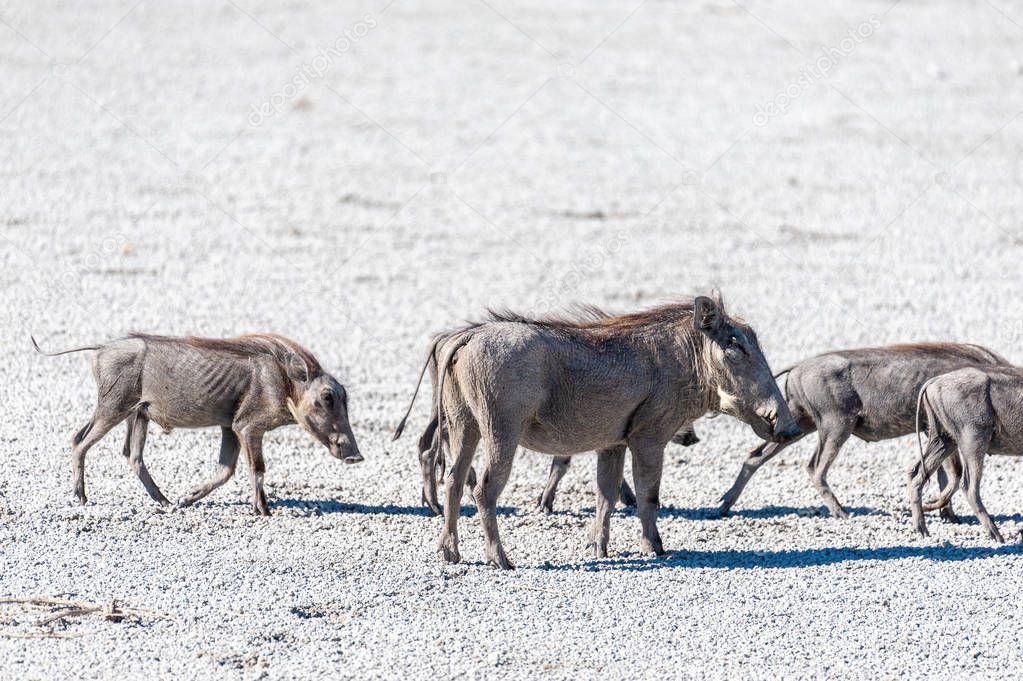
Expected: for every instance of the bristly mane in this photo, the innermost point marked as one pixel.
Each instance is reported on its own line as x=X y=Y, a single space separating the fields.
x=970 y=351
x=272 y=345
x=594 y=325
x=596 y=321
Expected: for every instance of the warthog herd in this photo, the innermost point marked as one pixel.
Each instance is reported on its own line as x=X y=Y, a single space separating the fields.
x=569 y=385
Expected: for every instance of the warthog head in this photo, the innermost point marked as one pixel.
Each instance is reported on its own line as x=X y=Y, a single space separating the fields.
x=321 y=407
x=738 y=371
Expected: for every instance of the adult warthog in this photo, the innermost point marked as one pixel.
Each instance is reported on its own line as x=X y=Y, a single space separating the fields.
x=247 y=386
x=567 y=386
x=870 y=393
x=431 y=454
x=977 y=411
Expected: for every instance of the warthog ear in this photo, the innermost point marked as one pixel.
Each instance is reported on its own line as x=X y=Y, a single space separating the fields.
x=706 y=314
x=296 y=367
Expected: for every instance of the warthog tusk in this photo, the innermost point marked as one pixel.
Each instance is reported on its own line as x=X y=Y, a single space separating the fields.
x=726 y=401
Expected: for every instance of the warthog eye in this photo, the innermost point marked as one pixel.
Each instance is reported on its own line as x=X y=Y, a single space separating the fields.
x=328 y=400
x=734 y=348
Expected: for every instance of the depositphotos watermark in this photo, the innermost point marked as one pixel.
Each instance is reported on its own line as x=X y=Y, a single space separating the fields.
x=830 y=56
x=311 y=71
x=575 y=273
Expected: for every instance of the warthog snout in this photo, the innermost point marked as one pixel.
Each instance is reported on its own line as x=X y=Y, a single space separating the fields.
x=344 y=448
x=781 y=427
x=787 y=432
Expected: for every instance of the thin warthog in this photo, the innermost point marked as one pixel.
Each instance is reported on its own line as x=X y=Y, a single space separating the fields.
x=870 y=393
x=568 y=386
x=247 y=386
x=977 y=411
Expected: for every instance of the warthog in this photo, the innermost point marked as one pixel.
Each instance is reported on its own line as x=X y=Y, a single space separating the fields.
x=247 y=386
x=431 y=455
x=567 y=386
x=559 y=466
x=870 y=393
x=977 y=411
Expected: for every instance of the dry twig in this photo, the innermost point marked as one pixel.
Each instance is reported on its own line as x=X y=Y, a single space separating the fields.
x=62 y=609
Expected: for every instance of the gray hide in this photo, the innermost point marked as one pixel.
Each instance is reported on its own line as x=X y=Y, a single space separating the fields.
x=870 y=393
x=564 y=387
x=246 y=386
x=976 y=411
x=431 y=454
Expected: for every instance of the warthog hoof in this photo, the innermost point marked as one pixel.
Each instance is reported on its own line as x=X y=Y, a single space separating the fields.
x=597 y=549
x=839 y=512
x=996 y=535
x=449 y=554
x=432 y=505
x=921 y=528
x=545 y=504
x=498 y=559
x=949 y=516
x=653 y=546
x=724 y=510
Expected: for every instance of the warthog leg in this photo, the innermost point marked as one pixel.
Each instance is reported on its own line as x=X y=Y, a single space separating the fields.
x=432 y=465
x=754 y=460
x=626 y=496
x=937 y=449
x=559 y=466
x=946 y=513
x=135 y=443
x=252 y=443
x=500 y=448
x=647 y=464
x=832 y=437
x=101 y=423
x=463 y=436
x=610 y=466
x=973 y=446
x=229 y=448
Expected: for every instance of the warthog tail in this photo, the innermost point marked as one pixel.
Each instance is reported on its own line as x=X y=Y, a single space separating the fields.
x=459 y=339
x=784 y=371
x=946 y=494
x=919 y=438
x=62 y=352
x=430 y=357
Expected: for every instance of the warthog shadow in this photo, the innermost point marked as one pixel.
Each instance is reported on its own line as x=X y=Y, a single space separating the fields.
x=324 y=506
x=707 y=513
x=1014 y=518
x=712 y=513
x=790 y=558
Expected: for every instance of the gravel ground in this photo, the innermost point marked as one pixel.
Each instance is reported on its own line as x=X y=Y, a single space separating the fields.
x=358 y=176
